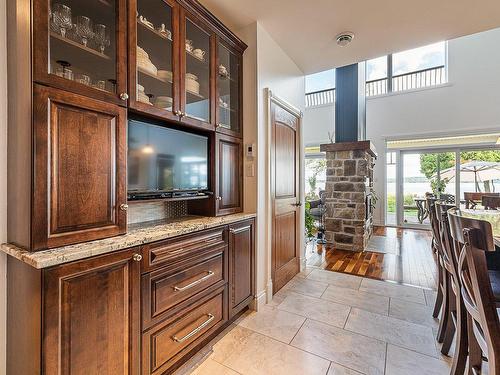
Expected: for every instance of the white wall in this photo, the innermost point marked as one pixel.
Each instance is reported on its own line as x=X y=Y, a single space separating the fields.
x=469 y=103
x=3 y=184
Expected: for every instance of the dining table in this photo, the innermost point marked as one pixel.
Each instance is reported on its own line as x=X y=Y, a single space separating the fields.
x=492 y=216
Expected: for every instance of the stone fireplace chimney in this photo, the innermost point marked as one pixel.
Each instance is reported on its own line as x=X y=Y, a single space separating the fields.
x=349 y=178
x=349 y=172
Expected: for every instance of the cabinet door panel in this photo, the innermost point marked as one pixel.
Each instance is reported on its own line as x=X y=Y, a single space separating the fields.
x=197 y=82
x=229 y=197
x=241 y=266
x=80 y=46
x=154 y=57
x=91 y=316
x=79 y=169
x=229 y=89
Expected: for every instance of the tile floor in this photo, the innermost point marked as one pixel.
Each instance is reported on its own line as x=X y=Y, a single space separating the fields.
x=330 y=323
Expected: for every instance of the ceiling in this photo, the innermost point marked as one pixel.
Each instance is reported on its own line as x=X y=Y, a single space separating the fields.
x=306 y=30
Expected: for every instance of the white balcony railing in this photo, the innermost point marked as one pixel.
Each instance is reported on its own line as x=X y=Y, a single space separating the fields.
x=401 y=82
x=408 y=81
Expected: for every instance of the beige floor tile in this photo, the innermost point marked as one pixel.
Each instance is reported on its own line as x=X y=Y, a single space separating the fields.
x=306 y=271
x=336 y=369
x=363 y=300
x=406 y=362
x=279 y=325
x=317 y=309
x=251 y=353
x=305 y=286
x=234 y=340
x=412 y=312
x=383 y=288
x=430 y=297
x=210 y=367
x=391 y=330
x=279 y=297
x=335 y=278
x=348 y=349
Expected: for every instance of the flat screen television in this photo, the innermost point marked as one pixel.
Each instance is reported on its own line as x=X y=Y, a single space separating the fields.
x=165 y=160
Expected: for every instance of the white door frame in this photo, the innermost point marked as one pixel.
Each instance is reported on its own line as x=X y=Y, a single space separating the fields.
x=271 y=97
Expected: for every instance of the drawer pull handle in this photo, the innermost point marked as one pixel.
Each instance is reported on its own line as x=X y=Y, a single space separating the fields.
x=194 y=283
x=194 y=331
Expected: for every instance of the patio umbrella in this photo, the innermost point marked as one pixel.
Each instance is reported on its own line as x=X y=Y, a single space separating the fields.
x=474 y=171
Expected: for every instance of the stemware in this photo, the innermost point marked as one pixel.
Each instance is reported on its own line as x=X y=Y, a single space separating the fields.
x=84 y=29
x=61 y=17
x=101 y=37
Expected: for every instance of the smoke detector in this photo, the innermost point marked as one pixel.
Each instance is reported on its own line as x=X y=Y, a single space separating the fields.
x=343 y=39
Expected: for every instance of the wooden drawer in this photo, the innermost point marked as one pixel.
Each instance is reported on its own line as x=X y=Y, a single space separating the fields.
x=183 y=247
x=169 y=341
x=163 y=290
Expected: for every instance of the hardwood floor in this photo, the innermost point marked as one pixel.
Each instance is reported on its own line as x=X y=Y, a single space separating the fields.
x=394 y=254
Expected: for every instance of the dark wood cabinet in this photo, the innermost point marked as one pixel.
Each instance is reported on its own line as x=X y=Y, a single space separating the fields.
x=91 y=319
x=241 y=266
x=229 y=88
x=228 y=175
x=154 y=68
x=79 y=169
x=80 y=46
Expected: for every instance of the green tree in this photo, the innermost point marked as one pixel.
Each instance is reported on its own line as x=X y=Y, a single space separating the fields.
x=487 y=155
x=429 y=166
x=316 y=166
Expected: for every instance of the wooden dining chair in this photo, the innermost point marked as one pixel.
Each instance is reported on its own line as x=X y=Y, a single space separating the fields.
x=453 y=322
x=490 y=202
x=441 y=287
x=480 y=290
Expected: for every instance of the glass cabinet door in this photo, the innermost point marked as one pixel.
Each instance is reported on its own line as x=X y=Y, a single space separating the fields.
x=228 y=87
x=196 y=72
x=86 y=46
x=154 y=71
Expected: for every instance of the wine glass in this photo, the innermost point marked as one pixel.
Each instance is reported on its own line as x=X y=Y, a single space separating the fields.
x=101 y=37
x=61 y=17
x=84 y=29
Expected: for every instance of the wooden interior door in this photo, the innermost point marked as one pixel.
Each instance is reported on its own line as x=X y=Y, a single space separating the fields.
x=91 y=316
x=285 y=195
x=80 y=169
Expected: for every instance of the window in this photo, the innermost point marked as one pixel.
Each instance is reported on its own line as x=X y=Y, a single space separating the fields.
x=320 y=81
x=407 y=70
x=320 y=88
x=417 y=59
x=376 y=76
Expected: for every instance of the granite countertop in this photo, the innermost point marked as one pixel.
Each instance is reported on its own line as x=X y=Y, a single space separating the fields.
x=138 y=234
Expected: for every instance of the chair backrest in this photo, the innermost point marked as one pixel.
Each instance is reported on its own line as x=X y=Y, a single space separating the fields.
x=322 y=196
x=450 y=258
x=474 y=237
x=490 y=202
x=447 y=198
x=430 y=203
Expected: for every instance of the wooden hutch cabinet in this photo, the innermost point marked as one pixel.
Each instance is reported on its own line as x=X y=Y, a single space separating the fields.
x=75 y=77
x=179 y=64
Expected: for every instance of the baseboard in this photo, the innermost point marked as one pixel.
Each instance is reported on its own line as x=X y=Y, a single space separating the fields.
x=258 y=301
x=303 y=264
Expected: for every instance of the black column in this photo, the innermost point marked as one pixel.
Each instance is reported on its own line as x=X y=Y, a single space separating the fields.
x=350 y=103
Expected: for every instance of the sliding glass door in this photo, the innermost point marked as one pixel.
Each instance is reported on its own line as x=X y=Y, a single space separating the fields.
x=421 y=174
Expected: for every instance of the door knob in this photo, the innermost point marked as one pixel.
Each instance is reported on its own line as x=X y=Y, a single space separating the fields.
x=123 y=96
x=219 y=198
x=298 y=204
x=124 y=207
x=137 y=257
